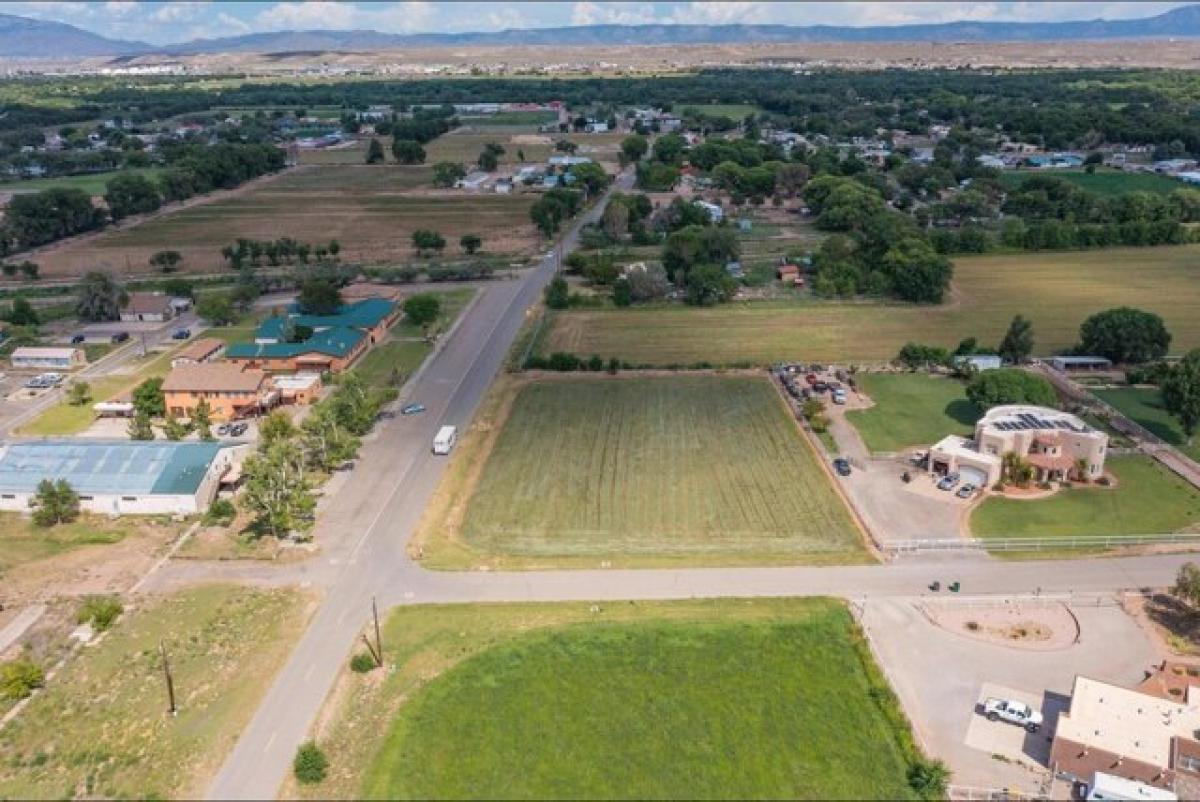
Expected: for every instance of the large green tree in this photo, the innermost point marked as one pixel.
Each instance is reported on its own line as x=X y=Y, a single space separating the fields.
x=422 y=309
x=1017 y=344
x=319 y=296
x=55 y=502
x=446 y=173
x=408 y=151
x=1181 y=392
x=99 y=297
x=277 y=489
x=1125 y=335
x=148 y=398
x=918 y=273
x=375 y=152
x=634 y=147
x=131 y=193
x=992 y=388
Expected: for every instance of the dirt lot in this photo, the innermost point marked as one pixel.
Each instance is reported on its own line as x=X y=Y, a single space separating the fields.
x=371 y=210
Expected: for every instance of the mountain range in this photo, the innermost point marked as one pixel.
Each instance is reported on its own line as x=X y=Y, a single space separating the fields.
x=22 y=37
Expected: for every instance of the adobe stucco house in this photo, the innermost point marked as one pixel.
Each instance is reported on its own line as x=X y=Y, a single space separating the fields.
x=1052 y=441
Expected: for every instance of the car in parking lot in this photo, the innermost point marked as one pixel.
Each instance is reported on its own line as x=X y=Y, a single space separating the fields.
x=839 y=396
x=412 y=409
x=811 y=378
x=223 y=429
x=966 y=491
x=77 y=339
x=120 y=336
x=1017 y=713
x=820 y=387
x=948 y=481
x=238 y=429
x=181 y=334
x=842 y=466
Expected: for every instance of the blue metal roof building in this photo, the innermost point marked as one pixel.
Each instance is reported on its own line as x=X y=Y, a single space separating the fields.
x=116 y=476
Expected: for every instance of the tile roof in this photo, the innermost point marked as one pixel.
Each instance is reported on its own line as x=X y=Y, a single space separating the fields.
x=222 y=377
x=201 y=348
x=336 y=342
x=365 y=314
x=141 y=303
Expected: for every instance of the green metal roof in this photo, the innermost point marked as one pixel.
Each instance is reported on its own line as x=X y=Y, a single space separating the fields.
x=127 y=467
x=364 y=314
x=335 y=342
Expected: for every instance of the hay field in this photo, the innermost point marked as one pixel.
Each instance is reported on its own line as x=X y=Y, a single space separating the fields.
x=371 y=210
x=1057 y=291
x=677 y=465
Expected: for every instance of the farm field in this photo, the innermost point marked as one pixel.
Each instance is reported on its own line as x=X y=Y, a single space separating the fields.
x=1144 y=406
x=911 y=409
x=987 y=292
x=735 y=698
x=1147 y=500
x=679 y=468
x=371 y=210
x=101 y=728
x=1102 y=182
x=92 y=183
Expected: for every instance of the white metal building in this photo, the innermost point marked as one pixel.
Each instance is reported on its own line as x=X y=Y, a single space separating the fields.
x=32 y=356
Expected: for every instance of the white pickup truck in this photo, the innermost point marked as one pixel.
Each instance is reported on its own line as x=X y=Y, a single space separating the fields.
x=1017 y=713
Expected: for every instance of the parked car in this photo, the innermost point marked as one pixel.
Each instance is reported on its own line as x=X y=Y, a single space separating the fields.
x=966 y=490
x=181 y=334
x=811 y=378
x=842 y=466
x=820 y=387
x=120 y=337
x=1017 y=713
x=839 y=396
x=918 y=457
x=948 y=482
x=77 y=339
x=412 y=409
x=238 y=429
x=223 y=429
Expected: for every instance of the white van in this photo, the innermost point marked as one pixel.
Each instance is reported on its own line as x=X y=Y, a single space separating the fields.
x=446 y=437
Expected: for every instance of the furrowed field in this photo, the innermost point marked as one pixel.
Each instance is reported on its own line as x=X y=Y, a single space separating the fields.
x=1056 y=290
x=371 y=210
x=707 y=699
x=683 y=466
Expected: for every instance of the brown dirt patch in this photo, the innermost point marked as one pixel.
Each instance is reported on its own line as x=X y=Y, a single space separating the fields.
x=1035 y=627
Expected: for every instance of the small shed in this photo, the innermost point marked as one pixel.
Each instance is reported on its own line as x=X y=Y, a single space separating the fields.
x=1069 y=363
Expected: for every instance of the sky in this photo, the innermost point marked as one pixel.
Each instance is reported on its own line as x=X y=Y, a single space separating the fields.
x=169 y=21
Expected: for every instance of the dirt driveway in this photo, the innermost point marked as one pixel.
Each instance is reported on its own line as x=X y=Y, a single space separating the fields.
x=941 y=675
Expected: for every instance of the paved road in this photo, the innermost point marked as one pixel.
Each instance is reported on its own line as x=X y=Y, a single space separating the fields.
x=365 y=528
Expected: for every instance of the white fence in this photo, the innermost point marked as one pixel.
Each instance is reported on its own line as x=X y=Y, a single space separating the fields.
x=1037 y=543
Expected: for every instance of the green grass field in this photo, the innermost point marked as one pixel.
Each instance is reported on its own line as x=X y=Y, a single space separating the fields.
x=101 y=727
x=709 y=699
x=685 y=465
x=911 y=409
x=734 y=111
x=1144 y=406
x=1147 y=500
x=1057 y=291
x=514 y=118
x=1102 y=182
x=403 y=352
x=92 y=184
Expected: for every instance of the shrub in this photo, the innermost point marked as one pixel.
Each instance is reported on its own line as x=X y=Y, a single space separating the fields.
x=362 y=663
x=100 y=612
x=310 y=764
x=928 y=778
x=1010 y=386
x=19 y=678
x=220 y=513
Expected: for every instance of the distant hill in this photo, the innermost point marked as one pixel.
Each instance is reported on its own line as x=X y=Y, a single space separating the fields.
x=21 y=37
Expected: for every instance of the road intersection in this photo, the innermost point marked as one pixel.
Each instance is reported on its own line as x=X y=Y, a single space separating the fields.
x=365 y=528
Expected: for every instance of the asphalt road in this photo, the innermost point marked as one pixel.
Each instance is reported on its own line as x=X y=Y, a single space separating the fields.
x=365 y=528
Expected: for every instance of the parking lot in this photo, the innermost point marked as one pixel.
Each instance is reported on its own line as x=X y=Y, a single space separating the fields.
x=942 y=677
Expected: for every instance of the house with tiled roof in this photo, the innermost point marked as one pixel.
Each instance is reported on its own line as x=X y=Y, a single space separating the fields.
x=330 y=349
x=371 y=316
x=232 y=390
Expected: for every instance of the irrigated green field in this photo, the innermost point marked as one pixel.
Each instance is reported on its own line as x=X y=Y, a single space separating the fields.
x=371 y=210
x=1147 y=500
x=1144 y=406
x=712 y=699
x=92 y=184
x=670 y=466
x=1103 y=182
x=911 y=409
x=1057 y=291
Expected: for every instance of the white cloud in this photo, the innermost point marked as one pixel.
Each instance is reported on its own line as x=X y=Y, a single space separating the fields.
x=120 y=8
x=322 y=14
x=589 y=13
x=503 y=19
x=180 y=11
x=719 y=13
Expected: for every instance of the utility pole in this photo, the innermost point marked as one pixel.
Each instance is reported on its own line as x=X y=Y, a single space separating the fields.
x=162 y=650
x=378 y=640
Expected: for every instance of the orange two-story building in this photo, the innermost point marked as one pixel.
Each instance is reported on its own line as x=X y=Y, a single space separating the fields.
x=231 y=390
